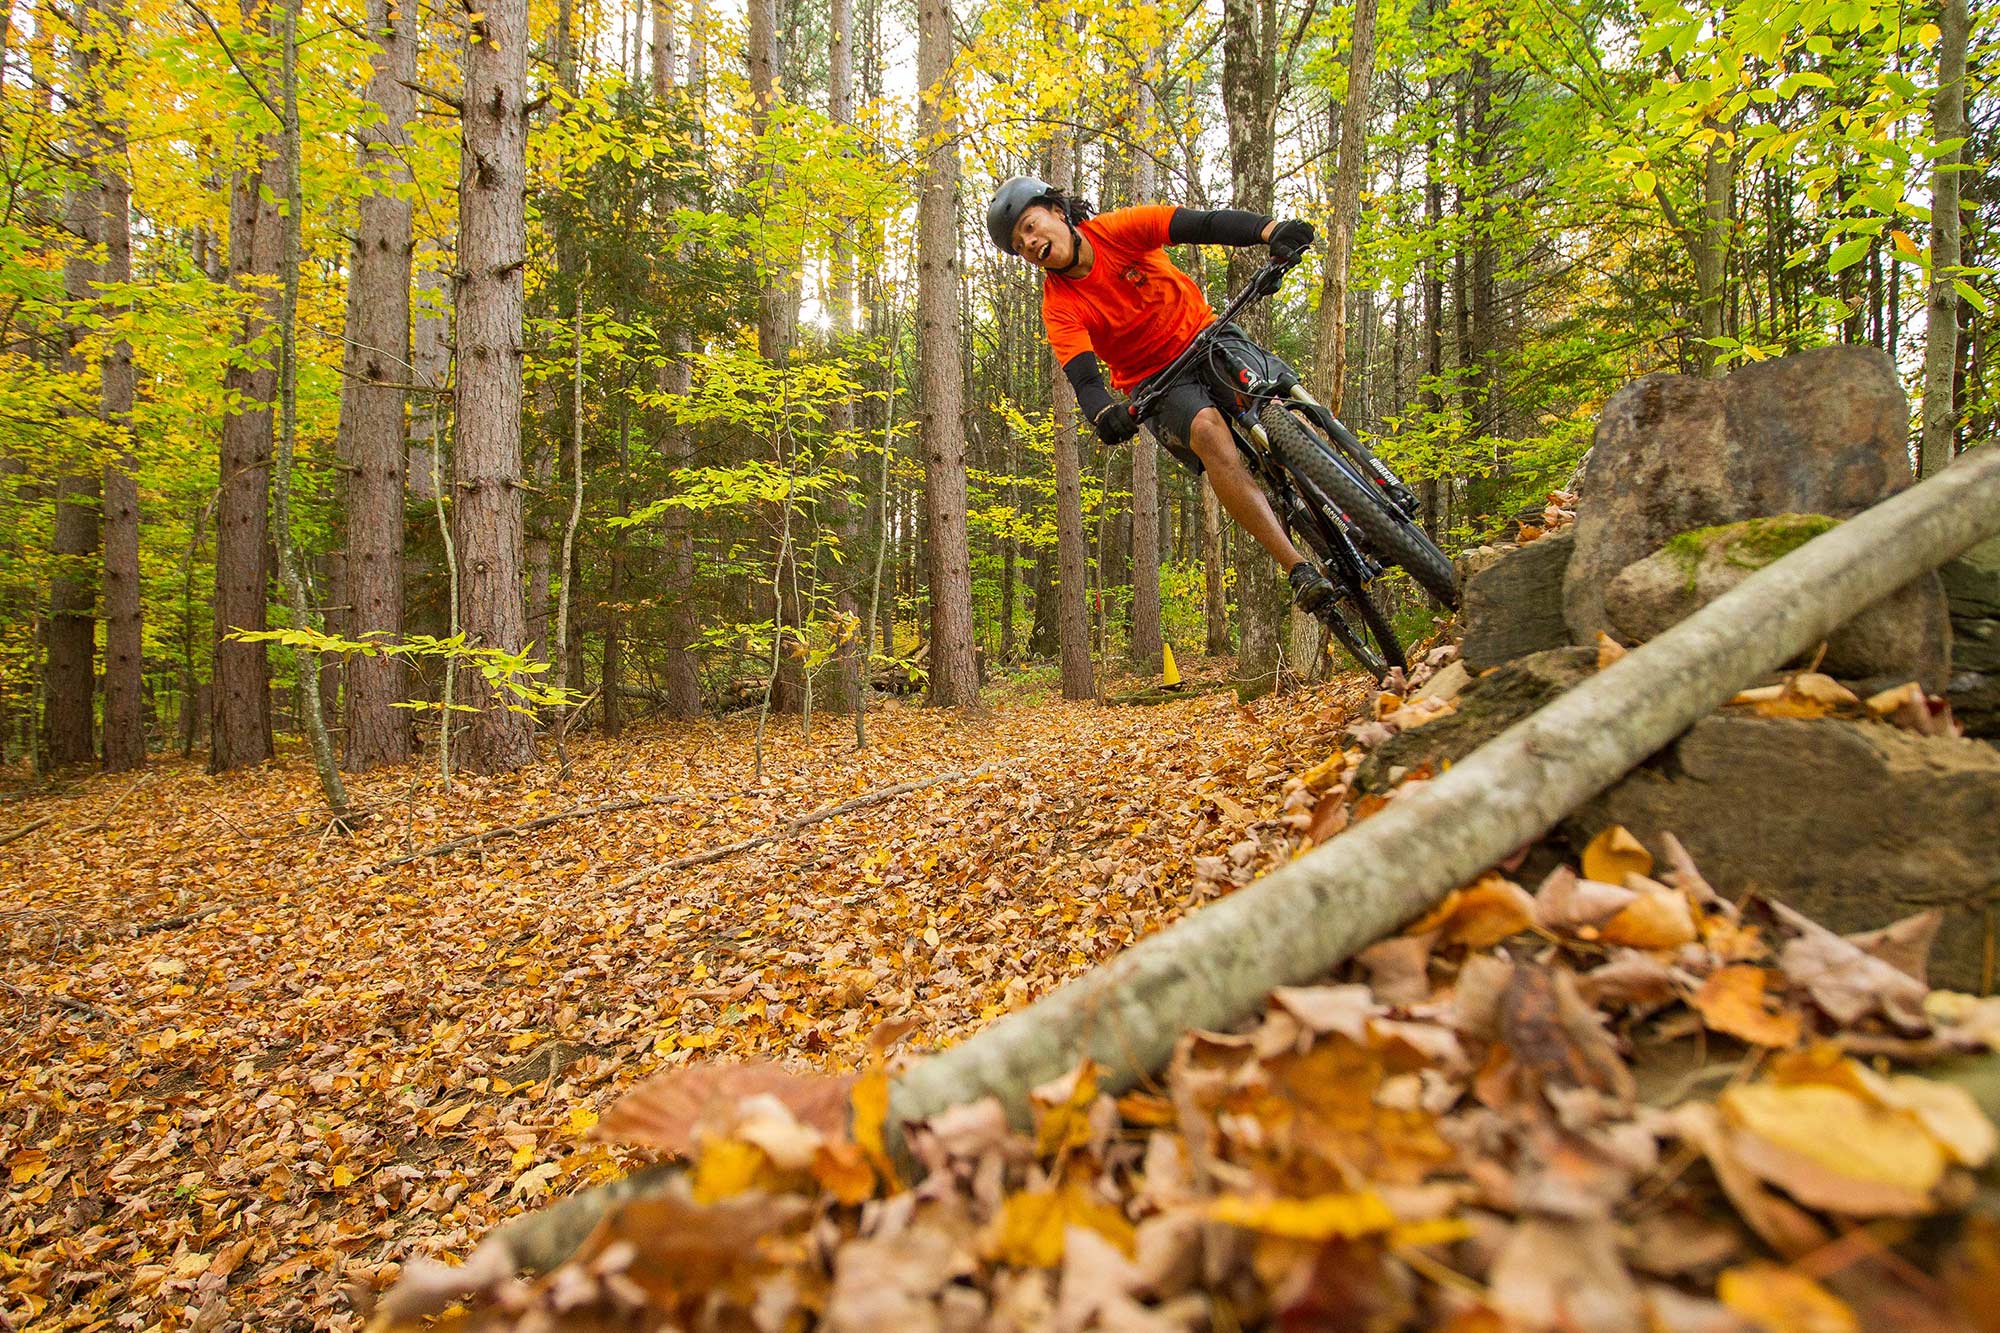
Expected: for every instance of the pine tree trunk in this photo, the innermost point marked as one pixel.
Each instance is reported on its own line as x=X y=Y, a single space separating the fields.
x=1214 y=602
x=844 y=682
x=1072 y=554
x=954 y=677
x=1250 y=102
x=492 y=238
x=1145 y=539
x=372 y=431
x=240 y=731
x=1330 y=344
x=1938 y=440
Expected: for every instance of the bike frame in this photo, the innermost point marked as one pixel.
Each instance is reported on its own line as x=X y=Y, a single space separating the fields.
x=1338 y=541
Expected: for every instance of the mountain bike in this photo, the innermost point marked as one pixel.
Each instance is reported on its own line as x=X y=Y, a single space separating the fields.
x=1336 y=498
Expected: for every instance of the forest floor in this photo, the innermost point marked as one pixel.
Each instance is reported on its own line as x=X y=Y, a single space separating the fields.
x=255 y=1068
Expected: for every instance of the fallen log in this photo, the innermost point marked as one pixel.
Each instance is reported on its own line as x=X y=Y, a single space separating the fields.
x=1215 y=967
x=792 y=826
x=26 y=829
x=515 y=830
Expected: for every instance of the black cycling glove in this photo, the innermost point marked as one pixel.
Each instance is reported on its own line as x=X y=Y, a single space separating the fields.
x=1115 y=424
x=1290 y=238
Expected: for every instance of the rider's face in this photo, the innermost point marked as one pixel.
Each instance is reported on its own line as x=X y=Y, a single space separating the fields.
x=1042 y=237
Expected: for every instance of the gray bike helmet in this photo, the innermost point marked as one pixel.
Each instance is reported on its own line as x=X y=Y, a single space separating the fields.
x=1016 y=195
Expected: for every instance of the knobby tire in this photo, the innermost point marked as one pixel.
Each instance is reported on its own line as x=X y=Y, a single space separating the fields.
x=1390 y=535
x=1376 y=658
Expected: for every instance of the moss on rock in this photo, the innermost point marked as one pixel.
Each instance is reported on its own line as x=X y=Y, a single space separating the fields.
x=1750 y=544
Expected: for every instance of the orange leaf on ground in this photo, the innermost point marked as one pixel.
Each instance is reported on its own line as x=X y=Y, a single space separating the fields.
x=666 y=1110
x=1490 y=911
x=1659 y=918
x=1733 y=1000
x=1615 y=853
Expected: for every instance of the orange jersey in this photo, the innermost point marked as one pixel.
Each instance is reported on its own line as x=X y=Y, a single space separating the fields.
x=1134 y=309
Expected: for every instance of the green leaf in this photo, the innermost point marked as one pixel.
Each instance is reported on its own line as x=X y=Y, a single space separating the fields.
x=1848 y=254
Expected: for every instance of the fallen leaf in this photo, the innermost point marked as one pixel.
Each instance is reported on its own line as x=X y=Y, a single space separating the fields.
x=1613 y=854
x=1657 y=918
x=1846 y=982
x=665 y=1111
x=1830 y=1149
x=1734 y=1000
x=1319 y=1217
x=1029 y=1231
x=1490 y=911
x=1783 y=1300
x=1609 y=650
x=1904 y=945
x=1566 y=902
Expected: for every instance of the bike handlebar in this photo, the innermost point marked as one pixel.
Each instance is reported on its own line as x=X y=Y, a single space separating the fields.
x=1264 y=283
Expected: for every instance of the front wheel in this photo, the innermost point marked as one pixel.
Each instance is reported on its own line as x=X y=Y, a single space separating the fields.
x=1390 y=534
x=1360 y=627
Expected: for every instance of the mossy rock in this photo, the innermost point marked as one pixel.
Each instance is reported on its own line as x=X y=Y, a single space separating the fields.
x=1905 y=636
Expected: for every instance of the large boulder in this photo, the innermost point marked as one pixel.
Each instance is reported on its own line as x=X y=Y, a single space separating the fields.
x=1875 y=823
x=1513 y=605
x=1972 y=585
x=1821 y=432
x=1905 y=636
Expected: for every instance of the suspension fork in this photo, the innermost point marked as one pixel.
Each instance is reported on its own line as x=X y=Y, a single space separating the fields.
x=1354 y=563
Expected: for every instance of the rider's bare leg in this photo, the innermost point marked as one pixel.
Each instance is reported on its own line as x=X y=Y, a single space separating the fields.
x=1236 y=489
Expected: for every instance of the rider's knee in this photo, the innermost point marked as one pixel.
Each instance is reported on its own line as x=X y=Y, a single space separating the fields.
x=1209 y=437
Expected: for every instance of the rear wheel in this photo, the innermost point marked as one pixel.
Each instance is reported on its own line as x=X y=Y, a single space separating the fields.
x=1391 y=535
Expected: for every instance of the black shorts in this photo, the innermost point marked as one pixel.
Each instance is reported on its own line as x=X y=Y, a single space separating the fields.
x=1172 y=418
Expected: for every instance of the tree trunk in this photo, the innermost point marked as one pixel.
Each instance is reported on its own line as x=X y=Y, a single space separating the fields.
x=1072 y=554
x=69 y=676
x=1215 y=968
x=492 y=239
x=1214 y=602
x=372 y=433
x=846 y=679
x=953 y=664
x=1938 y=439
x=124 y=649
x=1145 y=539
x=312 y=716
x=1250 y=96
x=240 y=732
x=1330 y=344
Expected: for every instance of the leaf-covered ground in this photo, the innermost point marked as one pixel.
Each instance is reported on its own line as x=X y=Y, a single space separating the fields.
x=253 y=1071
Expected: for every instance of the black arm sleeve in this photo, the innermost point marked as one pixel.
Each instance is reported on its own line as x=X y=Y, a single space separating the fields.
x=1088 y=381
x=1220 y=226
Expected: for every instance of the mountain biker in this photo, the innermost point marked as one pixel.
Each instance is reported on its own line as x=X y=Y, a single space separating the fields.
x=1109 y=291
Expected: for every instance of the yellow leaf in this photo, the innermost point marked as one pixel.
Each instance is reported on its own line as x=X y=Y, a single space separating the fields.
x=931 y=936
x=1614 y=854
x=1028 y=1233
x=522 y=1156
x=1829 y=1148
x=581 y=1118
x=451 y=1118
x=1733 y=1001
x=27 y=1164
x=870 y=1100
x=1780 y=1300
x=1326 y=773
x=1321 y=1217
x=1929 y=34
x=342 y=1177
x=520 y=1041
x=1064 y=1121
x=728 y=1167
x=1904 y=245
x=1609 y=650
